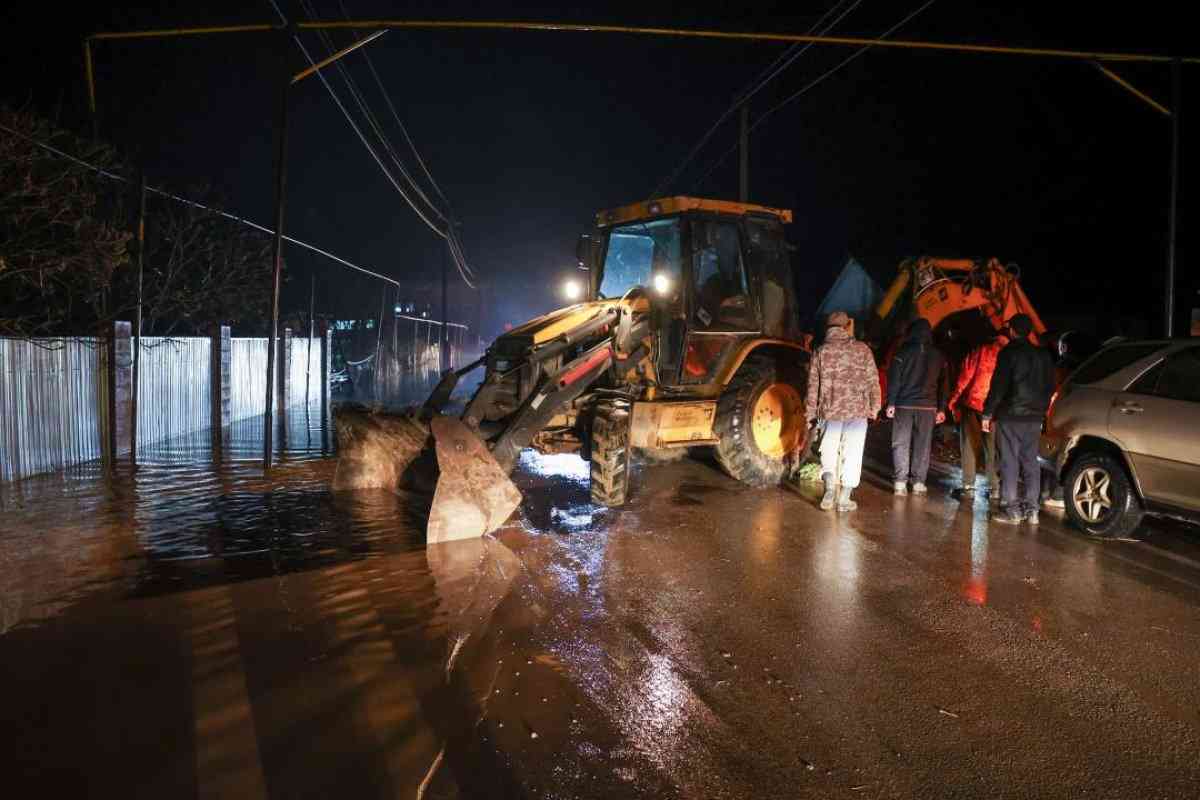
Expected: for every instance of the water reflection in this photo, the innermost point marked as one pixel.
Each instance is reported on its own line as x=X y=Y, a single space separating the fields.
x=975 y=588
x=251 y=636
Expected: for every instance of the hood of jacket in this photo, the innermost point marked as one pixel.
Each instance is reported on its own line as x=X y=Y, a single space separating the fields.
x=919 y=332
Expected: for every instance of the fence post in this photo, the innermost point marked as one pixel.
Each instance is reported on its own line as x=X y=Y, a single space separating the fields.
x=283 y=387
x=221 y=377
x=285 y=371
x=120 y=392
x=326 y=363
x=326 y=355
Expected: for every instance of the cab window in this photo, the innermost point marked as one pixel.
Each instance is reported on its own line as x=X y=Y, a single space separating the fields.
x=719 y=276
x=639 y=252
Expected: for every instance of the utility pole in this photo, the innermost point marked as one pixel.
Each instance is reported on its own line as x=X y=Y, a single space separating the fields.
x=277 y=249
x=137 y=330
x=744 y=166
x=312 y=305
x=1173 y=209
x=444 y=357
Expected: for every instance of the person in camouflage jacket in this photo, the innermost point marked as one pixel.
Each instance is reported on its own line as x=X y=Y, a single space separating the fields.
x=843 y=393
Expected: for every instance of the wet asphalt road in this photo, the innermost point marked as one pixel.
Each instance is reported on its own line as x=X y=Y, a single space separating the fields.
x=192 y=632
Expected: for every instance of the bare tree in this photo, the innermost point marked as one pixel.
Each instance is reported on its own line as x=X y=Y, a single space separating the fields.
x=63 y=234
x=66 y=257
x=201 y=268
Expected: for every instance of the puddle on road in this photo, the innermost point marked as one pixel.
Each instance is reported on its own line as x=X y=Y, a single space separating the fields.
x=270 y=637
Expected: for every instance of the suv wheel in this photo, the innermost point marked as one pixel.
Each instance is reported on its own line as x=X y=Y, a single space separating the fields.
x=1100 y=497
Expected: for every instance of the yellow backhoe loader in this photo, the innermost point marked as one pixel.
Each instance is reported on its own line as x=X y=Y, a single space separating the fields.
x=686 y=335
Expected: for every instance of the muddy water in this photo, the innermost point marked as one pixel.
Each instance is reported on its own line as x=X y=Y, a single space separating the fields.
x=190 y=627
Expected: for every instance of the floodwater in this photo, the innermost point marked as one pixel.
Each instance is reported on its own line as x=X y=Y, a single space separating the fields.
x=192 y=629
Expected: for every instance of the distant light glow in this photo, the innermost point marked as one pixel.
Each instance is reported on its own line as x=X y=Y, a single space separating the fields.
x=662 y=283
x=573 y=289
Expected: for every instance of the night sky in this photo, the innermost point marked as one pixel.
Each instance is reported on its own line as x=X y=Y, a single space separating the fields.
x=1042 y=163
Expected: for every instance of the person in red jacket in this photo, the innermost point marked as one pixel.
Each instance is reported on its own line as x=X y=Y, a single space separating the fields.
x=966 y=404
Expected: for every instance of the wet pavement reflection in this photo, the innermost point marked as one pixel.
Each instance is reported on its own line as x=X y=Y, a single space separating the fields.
x=193 y=629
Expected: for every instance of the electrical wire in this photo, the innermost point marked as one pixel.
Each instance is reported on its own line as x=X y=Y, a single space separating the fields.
x=399 y=123
x=195 y=204
x=337 y=100
x=451 y=236
x=816 y=81
x=365 y=109
x=785 y=60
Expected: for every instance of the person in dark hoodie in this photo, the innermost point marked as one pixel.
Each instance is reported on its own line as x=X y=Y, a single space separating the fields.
x=915 y=403
x=1019 y=397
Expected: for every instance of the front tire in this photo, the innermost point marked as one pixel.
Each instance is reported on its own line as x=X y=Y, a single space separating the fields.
x=1100 y=497
x=610 y=454
x=760 y=423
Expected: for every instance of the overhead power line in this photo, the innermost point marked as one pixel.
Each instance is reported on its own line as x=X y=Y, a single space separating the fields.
x=453 y=240
x=387 y=98
x=448 y=233
x=338 y=101
x=754 y=87
x=364 y=108
x=196 y=204
x=814 y=82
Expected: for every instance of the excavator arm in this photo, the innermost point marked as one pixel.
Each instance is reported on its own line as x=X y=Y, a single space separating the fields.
x=941 y=288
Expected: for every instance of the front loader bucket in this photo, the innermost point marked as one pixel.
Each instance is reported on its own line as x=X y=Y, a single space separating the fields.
x=474 y=494
x=382 y=451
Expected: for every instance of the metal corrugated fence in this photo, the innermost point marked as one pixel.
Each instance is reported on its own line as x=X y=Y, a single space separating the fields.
x=305 y=366
x=53 y=391
x=174 y=388
x=248 y=375
x=50 y=404
x=248 y=378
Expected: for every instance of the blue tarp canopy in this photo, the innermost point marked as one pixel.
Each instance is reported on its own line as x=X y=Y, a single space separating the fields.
x=854 y=292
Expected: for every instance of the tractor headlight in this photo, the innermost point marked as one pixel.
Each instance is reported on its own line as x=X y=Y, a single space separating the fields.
x=572 y=289
x=662 y=284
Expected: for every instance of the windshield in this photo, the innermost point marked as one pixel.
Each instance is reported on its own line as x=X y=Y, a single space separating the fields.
x=639 y=251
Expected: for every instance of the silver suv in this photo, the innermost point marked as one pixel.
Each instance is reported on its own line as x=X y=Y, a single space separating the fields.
x=1123 y=435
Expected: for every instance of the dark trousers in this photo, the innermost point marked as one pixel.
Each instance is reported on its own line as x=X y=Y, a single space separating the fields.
x=912 y=434
x=975 y=446
x=1019 y=454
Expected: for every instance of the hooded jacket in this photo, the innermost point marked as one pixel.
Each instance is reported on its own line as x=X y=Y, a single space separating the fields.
x=1022 y=383
x=843 y=383
x=916 y=377
x=975 y=377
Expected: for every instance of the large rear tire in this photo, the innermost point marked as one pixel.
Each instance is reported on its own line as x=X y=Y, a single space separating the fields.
x=760 y=423
x=610 y=454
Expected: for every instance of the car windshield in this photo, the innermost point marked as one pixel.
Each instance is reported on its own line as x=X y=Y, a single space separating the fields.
x=639 y=251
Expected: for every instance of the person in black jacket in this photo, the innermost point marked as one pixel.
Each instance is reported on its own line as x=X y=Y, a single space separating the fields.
x=916 y=401
x=1019 y=397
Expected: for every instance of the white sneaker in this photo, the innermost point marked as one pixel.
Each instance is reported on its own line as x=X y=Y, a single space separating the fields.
x=919 y=488
x=899 y=488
